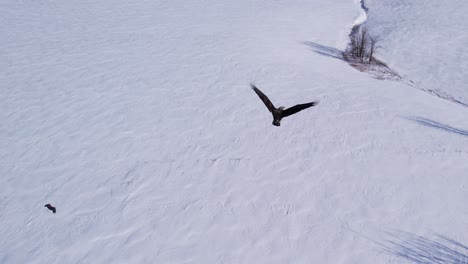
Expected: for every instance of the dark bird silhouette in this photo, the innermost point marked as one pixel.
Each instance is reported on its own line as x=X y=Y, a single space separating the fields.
x=50 y=207
x=280 y=112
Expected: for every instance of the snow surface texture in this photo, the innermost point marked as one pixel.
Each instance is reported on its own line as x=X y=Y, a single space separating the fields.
x=426 y=42
x=136 y=121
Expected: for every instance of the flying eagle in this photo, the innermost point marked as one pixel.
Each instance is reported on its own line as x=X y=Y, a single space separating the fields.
x=50 y=207
x=280 y=112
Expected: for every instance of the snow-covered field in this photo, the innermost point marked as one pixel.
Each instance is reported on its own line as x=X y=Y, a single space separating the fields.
x=136 y=120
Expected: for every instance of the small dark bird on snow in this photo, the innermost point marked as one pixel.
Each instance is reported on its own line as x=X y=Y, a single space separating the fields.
x=280 y=112
x=50 y=207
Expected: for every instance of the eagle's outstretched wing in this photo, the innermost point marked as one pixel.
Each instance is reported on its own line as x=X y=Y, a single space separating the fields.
x=50 y=207
x=264 y=98
x=297 y=108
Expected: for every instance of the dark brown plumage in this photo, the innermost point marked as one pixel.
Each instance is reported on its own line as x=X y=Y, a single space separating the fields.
x=280 y=112
x=50 y=207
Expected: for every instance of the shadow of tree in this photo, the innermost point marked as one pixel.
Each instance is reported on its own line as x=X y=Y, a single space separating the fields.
x=325 y=50
x=430 y=123
x=419 y=249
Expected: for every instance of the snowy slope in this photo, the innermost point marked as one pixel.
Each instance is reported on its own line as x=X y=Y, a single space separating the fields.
x=135 y=119
x=425 y=41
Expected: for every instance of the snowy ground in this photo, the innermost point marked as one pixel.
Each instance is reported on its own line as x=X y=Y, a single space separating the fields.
x=425 y=42
x=136 y=120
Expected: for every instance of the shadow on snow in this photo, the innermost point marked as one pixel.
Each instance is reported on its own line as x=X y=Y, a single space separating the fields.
x=430 y=123
x=325 y=50
x=419 y=249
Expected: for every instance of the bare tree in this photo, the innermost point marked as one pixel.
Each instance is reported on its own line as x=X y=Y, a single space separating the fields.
x=373 y=46
x=363 y=43
x=355 y=44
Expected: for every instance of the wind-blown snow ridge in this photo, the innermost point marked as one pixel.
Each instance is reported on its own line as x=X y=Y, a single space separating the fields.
x=362 y=18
